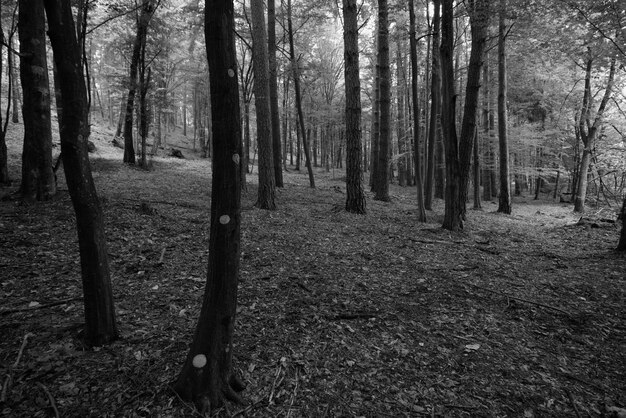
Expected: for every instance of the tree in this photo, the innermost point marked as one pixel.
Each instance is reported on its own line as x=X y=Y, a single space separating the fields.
x=100 y=325
x=588 y=130
x=265 y=199
x=147 y=10
x=381 y=176
x=355 y=198
x=38 y=182
x=421 y=210
x=296 y=87
x=271 y=43
x=434 y=129
x=504 y=201
x=207 y=376
x=621 y=246
x=4 y=167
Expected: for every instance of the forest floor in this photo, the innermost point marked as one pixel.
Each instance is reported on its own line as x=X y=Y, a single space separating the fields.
x=339 y=315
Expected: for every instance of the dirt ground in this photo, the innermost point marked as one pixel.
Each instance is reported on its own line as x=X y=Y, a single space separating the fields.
x=339 y=315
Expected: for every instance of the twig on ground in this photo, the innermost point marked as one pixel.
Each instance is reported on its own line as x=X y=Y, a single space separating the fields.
x=543 y=305
x=274 y=385
x=573 y=402
x=43 y=306
x=293 y=396
x=53 y=404
x=161 y=257
x=9 y=378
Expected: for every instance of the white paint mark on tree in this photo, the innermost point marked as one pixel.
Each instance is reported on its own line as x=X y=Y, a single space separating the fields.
x=224 y=219
x=199 y=361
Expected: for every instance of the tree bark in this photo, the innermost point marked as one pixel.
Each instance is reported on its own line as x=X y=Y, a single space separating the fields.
x=38 y=181
x=4 y=167
x=355 y=198
x=421 y=210
x=147 y=9
x=588 y=131
x=296 y=83
x=100 y=325
x=207 y=376
x=266 y=191
x=435 y=109
x=479 y=21
x=381 y=177
x=621 y=246
x=504 y=201
x=271 y=44
x=452 y=219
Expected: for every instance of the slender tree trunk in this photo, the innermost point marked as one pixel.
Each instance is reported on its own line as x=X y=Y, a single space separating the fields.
x=375 y=142
x=296 y=83
x=38 y=182
x=403 y=160
x=207 y=377
x=421 y=210
x=100 y=326
x=273 y=82
x=266 y=191
x=15 y=96
x=588 y=130
x=488 y=159
x=381 y=177
x=355 y=198
x=435 y=109
x=504 y=201
x=477 y=203
x=147 y=9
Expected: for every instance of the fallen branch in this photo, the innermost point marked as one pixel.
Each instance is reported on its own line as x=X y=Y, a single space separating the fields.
x=162 y=255
x=33 y=308
x=522 y=299
x=573 y=402
x=53 y=404
x=9 y=378
x=339 y=317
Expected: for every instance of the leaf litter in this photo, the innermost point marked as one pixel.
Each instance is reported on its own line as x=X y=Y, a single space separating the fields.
x=339 y=314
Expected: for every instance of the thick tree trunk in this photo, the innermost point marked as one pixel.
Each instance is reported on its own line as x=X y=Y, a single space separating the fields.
x=381 y=177
x=4 y=167
x=296 y=83
x=479 y=21
x=504 y=201
x=207 y=376
x=435 y=109
x=355 y=198
x=488 y=159
x=621 y=246
x=38 y=182
x=273 y=82
x=421 y=209
x=100 y=326
x=452 y=215
x=147 y=9
x=477 y=203
x=266 y=191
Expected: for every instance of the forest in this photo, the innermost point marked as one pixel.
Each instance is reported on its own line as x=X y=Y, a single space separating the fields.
x=247 y=208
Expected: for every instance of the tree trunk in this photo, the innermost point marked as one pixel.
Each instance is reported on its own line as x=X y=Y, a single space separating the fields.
x=504 y=201
x=435 y=109
x=147 y=9
x=588 y=131
x=100 y=326
x=207 y=376
x=375 y=141
x=266 y=190
x=477 y=203
x=403 y=150
x=452 y=215
x=621 y=246
x=479 y=21
x=296 y=83
x=38 y=181
x=4 y=167
x=421 y=210
x=488 y=159
x=381 y=177
x=273 y=83
x=355 y=198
